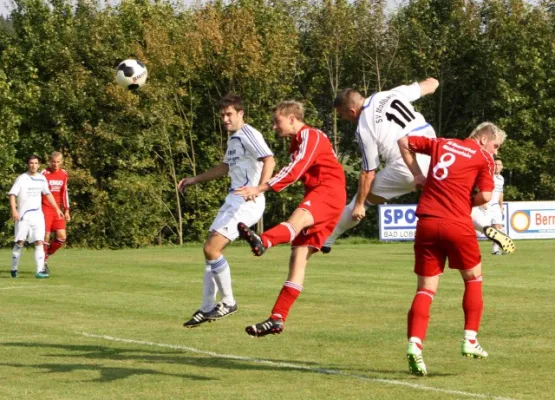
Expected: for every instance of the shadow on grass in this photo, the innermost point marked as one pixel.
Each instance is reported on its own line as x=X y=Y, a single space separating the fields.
x=5 y=274
x=107 y=374
x=179 y=358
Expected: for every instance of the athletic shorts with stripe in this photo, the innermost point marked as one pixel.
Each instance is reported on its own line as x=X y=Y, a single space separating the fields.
x=438 y=240
x=326 y=207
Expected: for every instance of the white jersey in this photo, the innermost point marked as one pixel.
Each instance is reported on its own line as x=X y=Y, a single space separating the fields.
x=29 y=190
x=245 y=148
x=498 y=181
x=386 y=117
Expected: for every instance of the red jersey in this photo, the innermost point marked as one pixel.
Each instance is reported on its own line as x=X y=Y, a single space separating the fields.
x=313 y=162
x=57 y=182
x=456 y=168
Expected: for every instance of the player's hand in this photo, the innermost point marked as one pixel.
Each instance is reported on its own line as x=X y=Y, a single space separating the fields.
x=183 y=183
x=419 y=181
x=358 y=213
x=15 y=216
x=67 y=216
x=60 y=213
x=249 y=193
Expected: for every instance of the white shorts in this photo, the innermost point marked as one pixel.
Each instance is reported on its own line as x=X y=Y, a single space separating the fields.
x=235 y=210
x=32 y=228
x=395 y=179
x=491 y=216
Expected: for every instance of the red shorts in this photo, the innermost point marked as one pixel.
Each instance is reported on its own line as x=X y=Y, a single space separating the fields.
x=326 y=209
x=438 y=240
x=53 y=223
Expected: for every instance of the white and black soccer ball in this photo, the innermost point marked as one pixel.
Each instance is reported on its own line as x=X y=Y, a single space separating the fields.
x=131 y=74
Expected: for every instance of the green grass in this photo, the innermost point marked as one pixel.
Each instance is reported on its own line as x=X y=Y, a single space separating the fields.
x=350 y=319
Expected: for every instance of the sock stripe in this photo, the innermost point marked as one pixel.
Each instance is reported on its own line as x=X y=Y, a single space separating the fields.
x=477 y=279
x=292 y=230
x=426 y=292
x=293 y=285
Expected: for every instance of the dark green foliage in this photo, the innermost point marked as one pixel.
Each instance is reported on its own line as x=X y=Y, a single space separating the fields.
x=126 y=151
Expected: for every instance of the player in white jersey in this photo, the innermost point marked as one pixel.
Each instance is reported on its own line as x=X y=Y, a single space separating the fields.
x=26 y=210
x=249 y=162
x=382 y=119
x=492 y=213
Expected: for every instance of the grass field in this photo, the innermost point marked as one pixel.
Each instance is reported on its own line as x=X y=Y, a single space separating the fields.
x=108 y=325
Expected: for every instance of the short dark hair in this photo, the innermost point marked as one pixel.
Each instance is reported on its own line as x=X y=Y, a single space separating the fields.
x=231 y=100
x=344 y=98
x=33 y=157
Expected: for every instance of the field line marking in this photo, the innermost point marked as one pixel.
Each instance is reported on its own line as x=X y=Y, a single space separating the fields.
x=298 y=367
x=33 y=286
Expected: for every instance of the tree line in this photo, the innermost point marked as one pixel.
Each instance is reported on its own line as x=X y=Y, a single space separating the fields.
x=126 y=151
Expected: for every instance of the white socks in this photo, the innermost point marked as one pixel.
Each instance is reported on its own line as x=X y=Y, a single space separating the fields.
x=345 y=222
x=39 y=257
x=222 y=275
x=209 y=290
x=16 y=255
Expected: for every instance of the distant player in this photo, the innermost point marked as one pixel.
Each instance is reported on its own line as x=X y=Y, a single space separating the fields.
x=57 y=182
x=381 y=118
x=25 y=203
x=248 y=161
x=313 y=162
x=492 y=213
x=445 y=231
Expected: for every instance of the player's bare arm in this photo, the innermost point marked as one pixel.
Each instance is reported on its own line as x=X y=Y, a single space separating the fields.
x=481 y=198
x=409 y=157
x=13 y=207
x=428 y=86
x=213 y=173
x=365 y=180
x=52 y=202
x=252 y=191
x=268 y=165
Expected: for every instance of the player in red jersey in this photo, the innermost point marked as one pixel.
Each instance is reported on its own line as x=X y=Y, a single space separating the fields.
x=57 y=182
x=445 y=230
x=314 y=163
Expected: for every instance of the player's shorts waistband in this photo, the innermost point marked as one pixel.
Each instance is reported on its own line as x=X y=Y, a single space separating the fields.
x=420 y=128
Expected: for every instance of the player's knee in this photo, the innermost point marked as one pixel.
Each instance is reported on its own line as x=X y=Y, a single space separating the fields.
x=61 y=241
x=211 y=252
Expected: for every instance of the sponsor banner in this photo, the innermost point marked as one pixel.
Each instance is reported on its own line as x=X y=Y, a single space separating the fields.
x=531 y=219
x=397 y=222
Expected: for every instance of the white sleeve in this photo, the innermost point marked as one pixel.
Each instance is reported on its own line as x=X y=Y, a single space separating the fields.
x=255 y=143
x=411 y=92
x=368 y=148
x=45 y=189
x=16 y=188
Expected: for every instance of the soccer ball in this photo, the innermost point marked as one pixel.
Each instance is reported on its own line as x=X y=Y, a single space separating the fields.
x=131 y=74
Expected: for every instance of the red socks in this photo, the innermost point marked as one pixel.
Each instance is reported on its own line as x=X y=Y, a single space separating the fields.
x=54 y=246
x=289 y=293
x=282 y=233
x=473 y=304
x=419 y=314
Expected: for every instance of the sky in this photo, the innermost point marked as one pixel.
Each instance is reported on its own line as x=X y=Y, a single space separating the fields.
x=5 y=5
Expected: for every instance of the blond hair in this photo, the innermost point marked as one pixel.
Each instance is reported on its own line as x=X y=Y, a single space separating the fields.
x=56 y=154
x=490 y=130
x=289 y=107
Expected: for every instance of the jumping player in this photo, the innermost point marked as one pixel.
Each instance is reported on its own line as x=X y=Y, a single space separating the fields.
x=248 y=160
x=314 y=163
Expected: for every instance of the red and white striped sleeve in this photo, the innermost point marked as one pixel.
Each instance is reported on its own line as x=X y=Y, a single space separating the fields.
x=308 y=145
x=65 y=193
